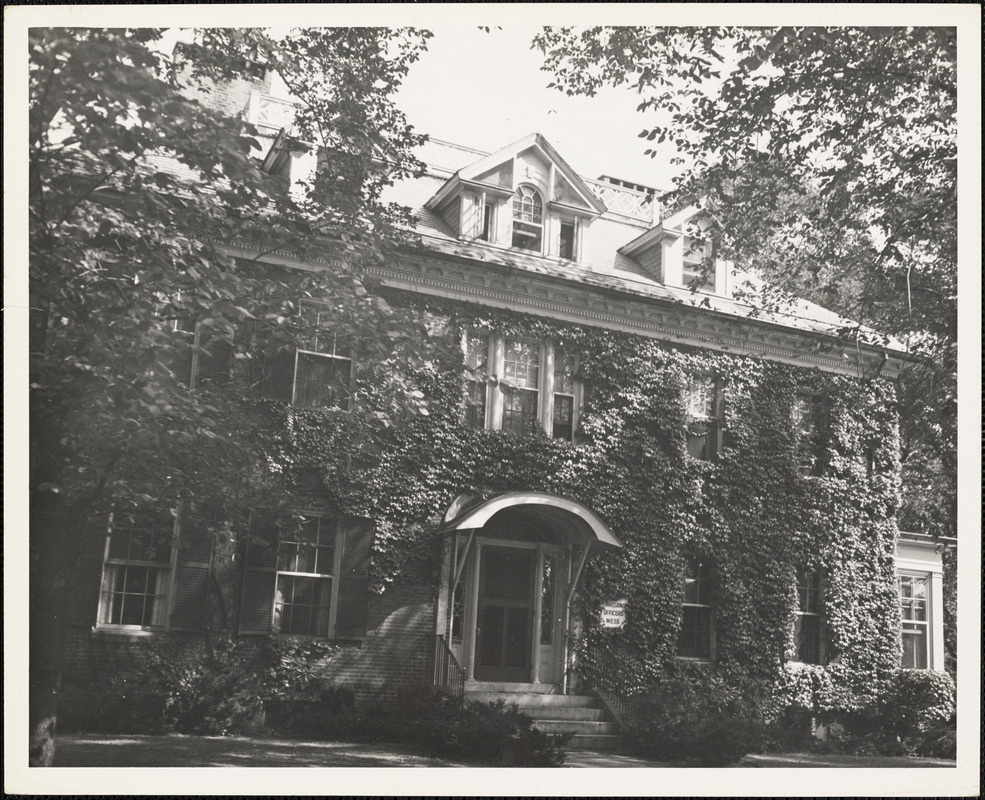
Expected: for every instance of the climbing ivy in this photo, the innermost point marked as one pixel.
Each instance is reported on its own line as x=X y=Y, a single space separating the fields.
x=751 y=514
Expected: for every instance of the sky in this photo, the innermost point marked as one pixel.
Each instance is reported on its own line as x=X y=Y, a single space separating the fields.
x=486 y=90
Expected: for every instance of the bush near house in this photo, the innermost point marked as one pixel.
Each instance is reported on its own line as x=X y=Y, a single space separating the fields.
x=229 y=688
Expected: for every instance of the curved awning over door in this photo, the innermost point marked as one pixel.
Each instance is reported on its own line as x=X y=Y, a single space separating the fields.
x=466 y=514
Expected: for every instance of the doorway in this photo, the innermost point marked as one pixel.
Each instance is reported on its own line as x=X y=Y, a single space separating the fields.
x=505 y=614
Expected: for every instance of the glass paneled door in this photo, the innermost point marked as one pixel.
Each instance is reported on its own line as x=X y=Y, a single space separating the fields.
x=505 y=614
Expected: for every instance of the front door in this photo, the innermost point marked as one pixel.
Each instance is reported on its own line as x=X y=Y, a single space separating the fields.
x=505 y=618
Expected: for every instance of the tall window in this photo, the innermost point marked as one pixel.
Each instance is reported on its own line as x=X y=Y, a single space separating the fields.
x=136 y=571
x=807 y=623
x=521 y=368
x=305 y=569
x=693 y=274
x=913 y=605
x=488 y=211
x=695 y=637
x=704 y=406
x=562 y=424
x=808 y=415
x=547 y=598
x=323 y=367
x=476 y=355
x=566 y=240
x=528 y=219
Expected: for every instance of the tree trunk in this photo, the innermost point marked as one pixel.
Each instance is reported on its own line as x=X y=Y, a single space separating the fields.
x=46 y=599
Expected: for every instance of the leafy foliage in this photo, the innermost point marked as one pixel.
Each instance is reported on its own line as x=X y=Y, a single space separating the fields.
x=486 y=733
x=826 y=162
x=136 y=190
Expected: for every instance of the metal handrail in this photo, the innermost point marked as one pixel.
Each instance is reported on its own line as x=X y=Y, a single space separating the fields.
x=441 y=668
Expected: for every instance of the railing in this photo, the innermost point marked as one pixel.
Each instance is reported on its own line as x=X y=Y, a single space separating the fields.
x=598 y=671
x=627 y=202
x=441 y=668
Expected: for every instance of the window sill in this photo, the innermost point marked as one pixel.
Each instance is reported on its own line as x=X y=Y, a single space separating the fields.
x=117 y=632
x=696 y=660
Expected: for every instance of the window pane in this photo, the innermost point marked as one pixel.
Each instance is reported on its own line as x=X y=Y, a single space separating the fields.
x=521 y=364
x=132 y=595
x=476 y=354
x=566 y=248
x=695 y=638
x=914 y=646
x=564 y=370
x=519 y=410
x=562 y=427
x=807 y=633
x=702 y=396
x=302 y=605
x=322 y=381
x=696 y=583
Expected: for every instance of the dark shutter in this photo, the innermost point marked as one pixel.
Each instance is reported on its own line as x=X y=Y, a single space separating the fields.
x=191 y=580
x=214 y=362
x=350 y=620
x=277 y=379
x=82 y=600
x=259 y=576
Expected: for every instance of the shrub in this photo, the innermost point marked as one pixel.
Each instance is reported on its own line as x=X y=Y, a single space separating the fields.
x=698 y=717
x=493 y=733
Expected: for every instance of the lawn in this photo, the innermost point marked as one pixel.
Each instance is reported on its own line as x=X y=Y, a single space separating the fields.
x=89 y=750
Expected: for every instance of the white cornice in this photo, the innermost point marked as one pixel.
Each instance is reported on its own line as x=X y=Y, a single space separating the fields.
x=520 y=291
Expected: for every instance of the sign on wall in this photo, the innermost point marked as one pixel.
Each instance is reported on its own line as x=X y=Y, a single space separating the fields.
x=614 y=614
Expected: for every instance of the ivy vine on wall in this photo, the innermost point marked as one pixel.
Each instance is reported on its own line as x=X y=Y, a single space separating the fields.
x=751 y=514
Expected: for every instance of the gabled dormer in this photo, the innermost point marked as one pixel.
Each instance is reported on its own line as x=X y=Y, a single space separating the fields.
x=675 y=252
x=523 y=197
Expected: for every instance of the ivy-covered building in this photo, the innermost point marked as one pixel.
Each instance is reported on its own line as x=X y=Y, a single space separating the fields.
x=627 y=469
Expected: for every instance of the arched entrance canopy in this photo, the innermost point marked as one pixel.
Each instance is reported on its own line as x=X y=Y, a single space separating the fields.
x=468 y=513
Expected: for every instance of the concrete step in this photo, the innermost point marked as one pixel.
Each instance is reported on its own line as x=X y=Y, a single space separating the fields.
x=563 y=712
x=605 y=742
x=576 y=726
x=511 y=688
x=533 y=699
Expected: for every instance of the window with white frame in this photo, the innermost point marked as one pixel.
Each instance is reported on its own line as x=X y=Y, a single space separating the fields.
x=323 y=365
x=695 y=639
x=528 y=219
x=563 y=416
x=696 y=272
x=704 y=426
x=137 y=565
x=306 y=558
x=520 y=385
x=913 y=594
x=521 y=373
x=487 y=233
x=807 y=621
x=567 y=242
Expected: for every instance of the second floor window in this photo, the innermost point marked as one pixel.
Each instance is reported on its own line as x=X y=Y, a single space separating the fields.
x=521 y=368
x=520 y=385
x=704 y=408
x=808 y=419
x=528 y=219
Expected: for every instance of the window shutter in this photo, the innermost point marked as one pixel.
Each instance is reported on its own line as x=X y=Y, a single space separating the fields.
x=82 y=601
x=277 y=381
x=191 y=580
x=350 y=620
x=259 y=577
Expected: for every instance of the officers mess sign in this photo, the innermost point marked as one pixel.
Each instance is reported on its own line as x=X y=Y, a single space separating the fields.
x=614 y=614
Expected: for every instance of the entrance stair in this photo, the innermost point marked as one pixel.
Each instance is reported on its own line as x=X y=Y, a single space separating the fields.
x=552 y=712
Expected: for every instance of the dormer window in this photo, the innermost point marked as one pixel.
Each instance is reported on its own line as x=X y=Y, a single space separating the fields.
x=528 y=219
x=566 y=240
